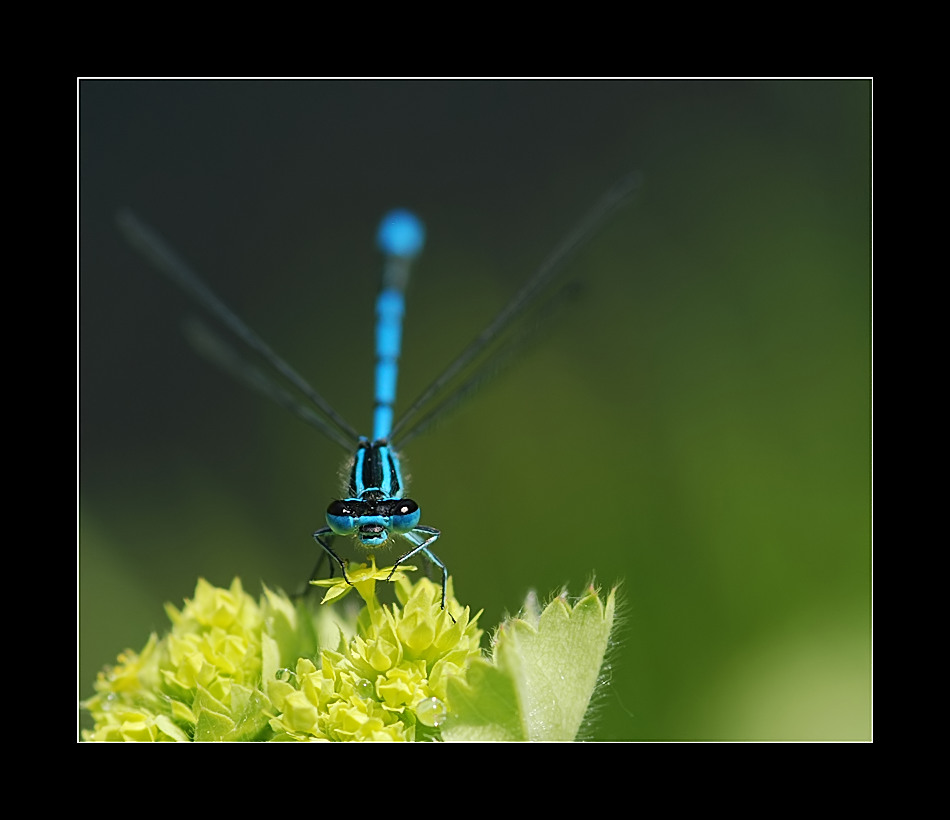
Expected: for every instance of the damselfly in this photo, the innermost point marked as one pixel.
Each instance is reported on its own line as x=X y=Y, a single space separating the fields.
x=375 y=510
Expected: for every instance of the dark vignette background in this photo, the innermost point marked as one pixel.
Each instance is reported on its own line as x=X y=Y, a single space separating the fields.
x=697 y=425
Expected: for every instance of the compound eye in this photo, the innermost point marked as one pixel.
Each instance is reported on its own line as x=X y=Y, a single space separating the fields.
x=348 y=508
x=342 y=516
x=399 y=506
x=404 y=514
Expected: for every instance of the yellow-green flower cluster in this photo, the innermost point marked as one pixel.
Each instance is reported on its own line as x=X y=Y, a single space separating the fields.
x=191 y=683
x=388 y=682
x=233 y=668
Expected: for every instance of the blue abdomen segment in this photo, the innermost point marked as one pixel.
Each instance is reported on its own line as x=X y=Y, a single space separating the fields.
x=390 y=307
x=401 y=233
x=401 y=237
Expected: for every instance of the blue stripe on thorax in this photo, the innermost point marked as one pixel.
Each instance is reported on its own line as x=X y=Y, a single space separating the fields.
x=375 y=473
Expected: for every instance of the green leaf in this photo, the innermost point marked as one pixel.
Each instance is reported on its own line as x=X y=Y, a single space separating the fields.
x=539 y=683
x=485 y=707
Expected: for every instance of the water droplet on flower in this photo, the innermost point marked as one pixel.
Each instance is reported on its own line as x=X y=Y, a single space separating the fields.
x=431 y=712
x=285 y=674
x=365 y=688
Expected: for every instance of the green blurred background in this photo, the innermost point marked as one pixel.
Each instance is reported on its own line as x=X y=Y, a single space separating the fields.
x=697 y=425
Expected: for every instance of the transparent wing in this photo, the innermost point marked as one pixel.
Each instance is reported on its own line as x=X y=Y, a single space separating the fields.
x=159 y=253
x=494 y=339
